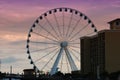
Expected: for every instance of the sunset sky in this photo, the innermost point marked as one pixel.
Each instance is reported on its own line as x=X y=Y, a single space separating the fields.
x=17 y=16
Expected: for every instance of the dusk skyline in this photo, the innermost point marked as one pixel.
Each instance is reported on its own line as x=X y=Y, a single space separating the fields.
x=17 y=16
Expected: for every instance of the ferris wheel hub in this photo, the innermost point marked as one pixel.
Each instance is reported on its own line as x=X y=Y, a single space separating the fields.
x=64 y=44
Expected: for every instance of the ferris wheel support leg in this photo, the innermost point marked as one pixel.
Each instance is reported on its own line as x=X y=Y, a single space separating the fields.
x=71 y=61
x=54 y=68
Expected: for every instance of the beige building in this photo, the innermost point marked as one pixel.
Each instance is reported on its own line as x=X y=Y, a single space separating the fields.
x=101 y=52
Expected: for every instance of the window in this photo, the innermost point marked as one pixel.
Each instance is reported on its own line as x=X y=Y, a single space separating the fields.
x=117 y=23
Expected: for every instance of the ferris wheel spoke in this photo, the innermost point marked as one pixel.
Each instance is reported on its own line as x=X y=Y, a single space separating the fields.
x=48 y=31
x=74 y=46
x=74 y=55
x=75 y=27
x=75 y=50
x=52 y=28
x=74 y=43
x=58 y=27
x=46 y=55
x=69 y=24
x=49 y=60
x=45 y=37
x=78 y=32
x=37 y=42
x=63 y=24
x=85 y=35
x=90 y=33
x=43 y=49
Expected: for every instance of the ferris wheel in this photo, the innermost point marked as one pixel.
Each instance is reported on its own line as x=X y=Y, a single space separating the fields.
x=53 y=42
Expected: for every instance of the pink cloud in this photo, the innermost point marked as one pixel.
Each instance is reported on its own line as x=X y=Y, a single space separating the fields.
x=10 y=37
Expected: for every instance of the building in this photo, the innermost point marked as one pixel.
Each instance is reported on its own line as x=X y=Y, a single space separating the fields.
x=101 y=52
x=29 y=72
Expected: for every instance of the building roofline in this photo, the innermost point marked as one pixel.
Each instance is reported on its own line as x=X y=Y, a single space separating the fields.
x=107 y=30
x=28 y=70
x=99 y=32
x=89 y=37
x=113 y=20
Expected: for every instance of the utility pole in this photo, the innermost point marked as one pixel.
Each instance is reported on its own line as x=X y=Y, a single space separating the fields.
x=10 y=69
x=10 y=73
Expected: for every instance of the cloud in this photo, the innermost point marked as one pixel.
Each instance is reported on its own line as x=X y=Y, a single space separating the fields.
x=16 y=17
x=12 y=37
x=9 y=60
x=116 y=4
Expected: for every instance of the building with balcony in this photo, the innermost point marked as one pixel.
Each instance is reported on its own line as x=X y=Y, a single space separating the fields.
x=101 y=52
